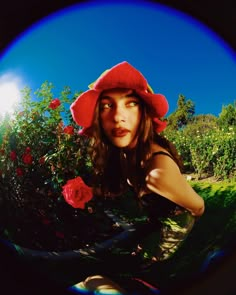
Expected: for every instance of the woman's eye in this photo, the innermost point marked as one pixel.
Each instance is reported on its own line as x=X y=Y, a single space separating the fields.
x=106 y=106
x=133 y=103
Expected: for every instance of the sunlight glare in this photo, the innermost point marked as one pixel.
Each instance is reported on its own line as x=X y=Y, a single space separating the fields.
x=10 y=93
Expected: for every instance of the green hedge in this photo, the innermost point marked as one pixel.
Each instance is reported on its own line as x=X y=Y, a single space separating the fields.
x=209 y=153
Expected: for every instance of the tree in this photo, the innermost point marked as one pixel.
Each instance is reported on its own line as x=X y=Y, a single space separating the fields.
x=227 y=117
x=200 y=125
x=182 y=115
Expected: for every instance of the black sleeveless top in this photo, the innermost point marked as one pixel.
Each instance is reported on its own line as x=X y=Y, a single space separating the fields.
x=157 y=205
x=173 y=224
x=162 y=226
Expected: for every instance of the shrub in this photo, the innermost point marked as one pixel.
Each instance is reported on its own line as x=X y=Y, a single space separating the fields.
x=210 y=152
x=40 y=151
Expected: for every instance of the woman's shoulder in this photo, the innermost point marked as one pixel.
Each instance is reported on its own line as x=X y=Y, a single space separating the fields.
x=161 y=168
x=157 y=150
x=155 y=147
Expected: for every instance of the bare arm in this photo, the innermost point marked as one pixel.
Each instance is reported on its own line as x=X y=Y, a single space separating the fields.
x=168 y=181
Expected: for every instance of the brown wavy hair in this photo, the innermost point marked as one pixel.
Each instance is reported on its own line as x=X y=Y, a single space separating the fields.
x=110 y=167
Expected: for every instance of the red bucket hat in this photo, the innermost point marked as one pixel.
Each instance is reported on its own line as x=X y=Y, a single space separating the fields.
x=122 y=75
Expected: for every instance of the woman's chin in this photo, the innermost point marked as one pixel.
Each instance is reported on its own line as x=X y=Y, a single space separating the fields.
x=123 y=142
x=127 y=146
x=120 y=145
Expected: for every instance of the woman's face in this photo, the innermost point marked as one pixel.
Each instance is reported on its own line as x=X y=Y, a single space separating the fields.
x=120 y=115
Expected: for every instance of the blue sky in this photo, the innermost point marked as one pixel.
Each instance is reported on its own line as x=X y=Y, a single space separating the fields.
x=177 y=54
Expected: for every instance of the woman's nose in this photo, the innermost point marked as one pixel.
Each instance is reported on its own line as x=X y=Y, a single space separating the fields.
x=119 y=115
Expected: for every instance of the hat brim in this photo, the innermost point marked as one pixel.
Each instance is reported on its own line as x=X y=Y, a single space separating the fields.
x=83 y=107
x=158 y=103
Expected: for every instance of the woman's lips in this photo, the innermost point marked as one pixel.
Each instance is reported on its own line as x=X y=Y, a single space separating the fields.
x=119 y=132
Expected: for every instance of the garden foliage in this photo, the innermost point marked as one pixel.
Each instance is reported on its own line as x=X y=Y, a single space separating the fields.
x=207 y=152
x=40 y=146
x=40 y=150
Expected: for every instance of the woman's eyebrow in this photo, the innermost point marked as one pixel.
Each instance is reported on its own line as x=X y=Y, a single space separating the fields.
x=105 y=97
x=127 y=95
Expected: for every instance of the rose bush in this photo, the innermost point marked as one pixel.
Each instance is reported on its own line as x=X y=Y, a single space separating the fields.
x=42 y=140
x=40 y=150
x=77 y=193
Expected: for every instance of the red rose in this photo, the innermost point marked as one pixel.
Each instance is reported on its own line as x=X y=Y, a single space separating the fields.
x=77 y=193
x=42 y=160
x=59 y=235
x=28 y=149
x=69 y=129
x=27 y=159
x=13 y=155
x=19 y=171
x=54 y=104
x=46 y=221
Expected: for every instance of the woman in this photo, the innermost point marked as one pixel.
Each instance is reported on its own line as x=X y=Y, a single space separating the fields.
x=122 y=116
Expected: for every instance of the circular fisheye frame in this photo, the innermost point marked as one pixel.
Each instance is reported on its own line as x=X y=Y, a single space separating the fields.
x=46 y=245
